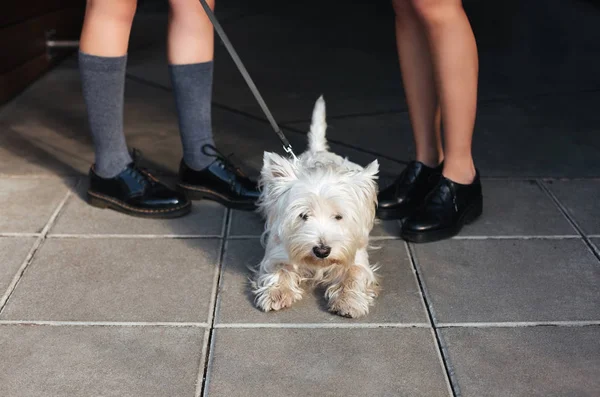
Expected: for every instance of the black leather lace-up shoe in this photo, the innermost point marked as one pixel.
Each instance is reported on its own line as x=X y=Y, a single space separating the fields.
x=447 y=208
x=221 y=181
x=136 y=192
x=408 y=191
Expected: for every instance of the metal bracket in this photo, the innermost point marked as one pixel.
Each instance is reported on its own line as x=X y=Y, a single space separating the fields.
x=53 y=46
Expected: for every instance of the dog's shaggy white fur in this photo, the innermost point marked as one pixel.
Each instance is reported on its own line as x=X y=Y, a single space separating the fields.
x=319 y=210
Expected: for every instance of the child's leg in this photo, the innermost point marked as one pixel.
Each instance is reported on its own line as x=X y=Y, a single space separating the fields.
x=455 y=66
x=457 y=199
x=106 y=27
x=102 y=62
x=419 y=86
x=190 y=55
x=401 y=198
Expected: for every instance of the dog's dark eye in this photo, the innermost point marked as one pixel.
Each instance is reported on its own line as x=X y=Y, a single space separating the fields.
x=304 y=217
x=338 y=217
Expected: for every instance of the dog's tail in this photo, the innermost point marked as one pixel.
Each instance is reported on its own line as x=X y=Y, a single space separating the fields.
x=316 y=136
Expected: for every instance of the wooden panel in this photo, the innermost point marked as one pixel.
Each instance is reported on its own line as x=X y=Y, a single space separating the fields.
x=14 y=11
x=26 y=40
x=16 y=80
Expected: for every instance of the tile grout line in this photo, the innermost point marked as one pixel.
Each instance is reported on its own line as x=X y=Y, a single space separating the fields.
x=207 y=345
x=481 y=102
x=171 y=174
x=22 y=235
x=36 y=245
x=595 y=251
x=211 y=347
x=520 y=324
x=500 y=237
x=40 y=176
x=519 y=237
x=441 y=348
x=136 y=236
x=320 y=325
x=104 y=323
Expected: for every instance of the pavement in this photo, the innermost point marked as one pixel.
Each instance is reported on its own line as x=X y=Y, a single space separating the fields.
x=94 y=303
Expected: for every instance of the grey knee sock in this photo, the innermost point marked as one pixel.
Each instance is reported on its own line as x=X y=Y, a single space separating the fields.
x=192 y=84
x=103 y=84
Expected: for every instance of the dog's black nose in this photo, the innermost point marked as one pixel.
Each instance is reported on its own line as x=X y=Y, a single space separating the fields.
x=322 y=251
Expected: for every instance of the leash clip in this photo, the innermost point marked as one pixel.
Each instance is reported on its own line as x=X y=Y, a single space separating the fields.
x=288 y=149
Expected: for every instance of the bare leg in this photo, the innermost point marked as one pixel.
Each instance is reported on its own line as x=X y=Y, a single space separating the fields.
x=419 y=87
x=191 y=35
x=107 y=26
x=455 y=65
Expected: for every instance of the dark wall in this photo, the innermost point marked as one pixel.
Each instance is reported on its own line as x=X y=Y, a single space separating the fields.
x=23 y=27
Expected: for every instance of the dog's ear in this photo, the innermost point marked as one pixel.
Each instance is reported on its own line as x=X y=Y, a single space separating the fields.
x=366 y=182
x=277 y=168
x=365 y=185
x=371 y=170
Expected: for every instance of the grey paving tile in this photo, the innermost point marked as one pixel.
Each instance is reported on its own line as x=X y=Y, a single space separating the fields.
x=388 y=134
x=27 y=204
x=386 y=229
x=330 y=57
x=518 y=54
x=582 y=200
x=13 y=252
x=289 y=79
x=399 y=302
x=244 y=223
x=42 y=136
x=117 y=280
x=525 y=362
x=504 y=134
x=50 y=137
x=325 y=362
x=78 y=217
x=518 y=208
x=99 y=361
x=511 y=280
x=596 y=242
x=249 y=139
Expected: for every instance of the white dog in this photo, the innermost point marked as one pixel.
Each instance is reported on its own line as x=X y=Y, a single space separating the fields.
x=319 y=210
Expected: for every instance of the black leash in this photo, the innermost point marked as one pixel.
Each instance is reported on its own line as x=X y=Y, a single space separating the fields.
x=287 y=147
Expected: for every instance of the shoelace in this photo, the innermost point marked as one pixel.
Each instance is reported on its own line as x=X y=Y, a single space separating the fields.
x=141 y=174
x=224 y=160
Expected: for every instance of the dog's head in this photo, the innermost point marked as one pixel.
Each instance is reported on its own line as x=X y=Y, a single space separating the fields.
x=321 y=215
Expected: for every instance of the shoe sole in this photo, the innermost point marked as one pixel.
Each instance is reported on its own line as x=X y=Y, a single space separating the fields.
x=194 y=193
x=105 y=202
x=469 y=216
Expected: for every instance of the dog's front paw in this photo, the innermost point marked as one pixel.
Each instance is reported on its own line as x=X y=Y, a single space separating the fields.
x=276 y=298
x=350 y=304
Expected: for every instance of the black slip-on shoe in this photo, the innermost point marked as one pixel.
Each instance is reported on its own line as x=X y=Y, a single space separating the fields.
x=407 y=193
x=447 y=208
